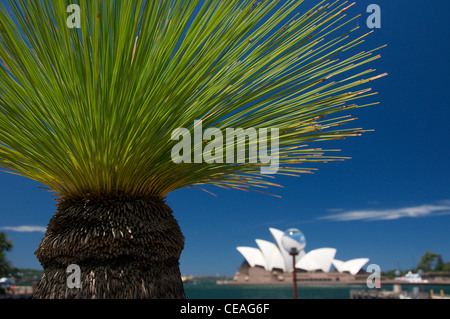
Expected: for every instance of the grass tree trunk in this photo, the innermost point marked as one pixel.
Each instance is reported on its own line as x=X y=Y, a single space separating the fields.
x=124 y=248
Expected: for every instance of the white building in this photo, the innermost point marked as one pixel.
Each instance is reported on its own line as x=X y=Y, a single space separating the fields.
x=273 y=258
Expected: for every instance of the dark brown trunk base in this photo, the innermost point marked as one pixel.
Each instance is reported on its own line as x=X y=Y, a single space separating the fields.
x=125 y=249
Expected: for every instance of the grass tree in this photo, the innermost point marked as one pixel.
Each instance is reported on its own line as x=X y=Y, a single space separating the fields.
x=90 y=111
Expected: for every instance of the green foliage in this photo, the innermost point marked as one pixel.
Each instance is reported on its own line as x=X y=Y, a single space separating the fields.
x=446 y=267
x=429 y=262
x=432 y=262
x=26 y=277
x=91 y=110
x=5 y=246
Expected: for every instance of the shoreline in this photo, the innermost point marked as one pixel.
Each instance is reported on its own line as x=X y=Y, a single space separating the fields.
x=327 y=283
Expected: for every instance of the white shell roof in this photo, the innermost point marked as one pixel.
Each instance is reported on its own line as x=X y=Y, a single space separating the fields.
x=317 y=259
x=353 y=266
x=253 y=256
x=278 y=235
x=339 y=265
x=270 y=256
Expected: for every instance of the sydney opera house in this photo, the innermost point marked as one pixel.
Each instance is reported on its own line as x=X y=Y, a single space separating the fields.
x=270 y=263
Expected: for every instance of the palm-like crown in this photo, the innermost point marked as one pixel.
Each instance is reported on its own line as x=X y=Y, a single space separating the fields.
x=92 y=110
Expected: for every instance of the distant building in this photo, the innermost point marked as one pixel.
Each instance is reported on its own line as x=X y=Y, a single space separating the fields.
x=270 y=263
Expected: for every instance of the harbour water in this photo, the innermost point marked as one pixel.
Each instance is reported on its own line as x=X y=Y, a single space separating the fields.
x=209 y=290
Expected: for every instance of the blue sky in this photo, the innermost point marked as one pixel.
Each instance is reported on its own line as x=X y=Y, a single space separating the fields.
x=389 y=203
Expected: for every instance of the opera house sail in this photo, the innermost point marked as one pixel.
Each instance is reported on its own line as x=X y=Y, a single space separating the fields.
x=270 y=263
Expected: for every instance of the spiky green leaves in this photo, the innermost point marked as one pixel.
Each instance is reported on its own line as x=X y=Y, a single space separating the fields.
x=92 y=110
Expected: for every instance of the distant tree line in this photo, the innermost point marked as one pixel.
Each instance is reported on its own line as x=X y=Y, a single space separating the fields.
x=432 y=262
x=21 y=276
x=429 y=262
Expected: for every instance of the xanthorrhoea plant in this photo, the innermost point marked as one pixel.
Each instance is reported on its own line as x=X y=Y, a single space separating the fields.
x=89 y=113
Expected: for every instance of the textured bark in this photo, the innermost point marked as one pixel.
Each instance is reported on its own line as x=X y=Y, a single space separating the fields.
x=125 y=248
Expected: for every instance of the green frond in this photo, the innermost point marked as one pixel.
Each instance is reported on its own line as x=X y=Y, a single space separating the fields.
x=92 y=109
